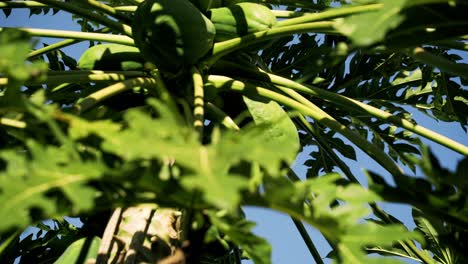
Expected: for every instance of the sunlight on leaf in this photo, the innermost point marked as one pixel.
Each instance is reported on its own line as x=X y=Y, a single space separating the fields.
x=368 y=28
x=278 y=130
x=84 y=249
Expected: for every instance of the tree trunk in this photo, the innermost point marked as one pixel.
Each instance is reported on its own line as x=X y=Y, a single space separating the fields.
x=142 y=234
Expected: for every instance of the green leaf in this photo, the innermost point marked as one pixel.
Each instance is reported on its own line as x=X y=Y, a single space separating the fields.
x=238 y=230
x=368 y=28
x=29 y=183
x=14 y=47
x=213 y=169
x=438 y=235
x=80 y=128
x=355 y=194
x=81 y=251
x=426 y=228
x=350 y=247
x=278 y=131
x=375 y=234
x=389 y=251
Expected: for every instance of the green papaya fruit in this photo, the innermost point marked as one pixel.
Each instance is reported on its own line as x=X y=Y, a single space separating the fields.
x=172 y=33
x=240 y=19
x=111 y=57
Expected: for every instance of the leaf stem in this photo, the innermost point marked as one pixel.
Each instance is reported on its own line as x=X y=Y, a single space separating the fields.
x=81 y=77
x=23 y=4
x=308 y=108
x=106 y=9
x=163 y=93
x=126 y=8
x=12 y=123
x=308 y=241
x=96 y=97
x=52 y=47
x=58 y=45
x=460 y=69
x=300 y=226
x=219 y=114
x=323 y=144
x=329 y=14
x=75 y=9
x=222 y=48
x=452 y=44
x=379 y=155
x=352 y=105
x=53 y=33
x=198 y=101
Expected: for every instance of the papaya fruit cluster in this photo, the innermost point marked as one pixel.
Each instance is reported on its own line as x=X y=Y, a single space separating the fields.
x=173 y=34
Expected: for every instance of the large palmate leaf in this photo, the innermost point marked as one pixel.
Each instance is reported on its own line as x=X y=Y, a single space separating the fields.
x=313 y=201
x=443 y=199
x=42 y=181
x=14 y=46
x=214 y=169
x=440 y=238
x=363 y=32
x=402 y=23
x=370 y=234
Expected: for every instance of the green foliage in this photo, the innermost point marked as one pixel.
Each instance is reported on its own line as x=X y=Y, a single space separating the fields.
x=238 y=230
x=363 y=32
x=15 y=45
x=76 y=142
x=80 y=251
x=42 y=181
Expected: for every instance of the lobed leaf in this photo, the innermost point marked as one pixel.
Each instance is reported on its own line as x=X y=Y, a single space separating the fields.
x=363 y=32
x=31 y=178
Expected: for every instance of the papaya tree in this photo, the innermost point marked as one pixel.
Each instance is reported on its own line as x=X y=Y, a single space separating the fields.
x=146 y=147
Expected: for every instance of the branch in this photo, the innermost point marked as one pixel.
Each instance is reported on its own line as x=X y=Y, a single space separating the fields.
x=96 y=97
x=326 y=147
x=23 y=4
x=53 y=33
x=221 y=115
x=60 y=44
x=350 y=104
x=222 y=48
x=126 y=8
x=198 y=101
x=12 y=123
x=308 y=241
x=307 y=108
x=106 y=10
x=460 y=69
x=329 y=14
x=81 y=77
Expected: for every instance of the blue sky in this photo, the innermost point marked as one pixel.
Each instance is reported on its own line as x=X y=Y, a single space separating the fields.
x=276 y=227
